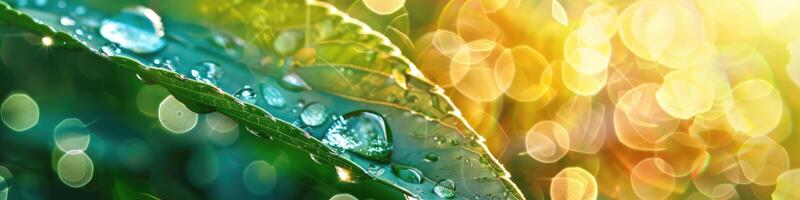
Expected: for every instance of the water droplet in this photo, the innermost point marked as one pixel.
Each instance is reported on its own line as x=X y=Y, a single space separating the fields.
x=445 y=189
x=40 y=3
x=431 y=157
x=138 y=29
x=206 y=71
x=314 y=114
x=166 y=63
x=407 y=174
x=246 y=94
x=66 y=21
x=110 y=49
x=273 y=96
x=375 y=170
x=365 y=133
x=294 y=82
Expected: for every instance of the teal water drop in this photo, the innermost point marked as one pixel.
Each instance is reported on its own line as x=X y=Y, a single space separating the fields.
x=294 y=82
x=246 y=94
x=138 y=29
x=314 y=114
x=445 y=189
x=166 y=63
x=375 y=170
x=66 y=21
x=407 y=174
x=273 y=96
x=365 y=133
x=206 y=71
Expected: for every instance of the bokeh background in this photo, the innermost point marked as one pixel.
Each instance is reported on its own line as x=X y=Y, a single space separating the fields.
x=581 y=99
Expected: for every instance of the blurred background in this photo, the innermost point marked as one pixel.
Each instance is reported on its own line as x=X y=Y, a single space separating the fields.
x=650 y=99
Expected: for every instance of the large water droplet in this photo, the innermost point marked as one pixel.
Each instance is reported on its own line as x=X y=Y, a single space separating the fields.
x=314 y=114
x=294 y=82
x=246 y=94
x=206 y=71
x=138 y=29
x=363 y=132
x=273 y=96
x=407 y=174
x=110 y=49
x=445 y=189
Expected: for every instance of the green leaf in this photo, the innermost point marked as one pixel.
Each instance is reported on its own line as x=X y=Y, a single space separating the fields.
x=347 y=64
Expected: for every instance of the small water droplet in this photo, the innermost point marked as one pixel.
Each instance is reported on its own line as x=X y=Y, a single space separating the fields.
x=294 y=82
x=66 y=21
x=375 y=170
x=61 y=4
x=445 y=189
x=206 y=71
x=166 y=63
x=314 y=114
x=138 y=29
x=407 y=174
x=365 y=133
x=273 y=96
x=110 y=49
x=431 y=157
x=246 y=94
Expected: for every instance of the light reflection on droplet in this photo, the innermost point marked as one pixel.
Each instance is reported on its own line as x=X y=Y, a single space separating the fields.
x=175 y=117
x=47 y=41
x=138 y=29
x=19 y=112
